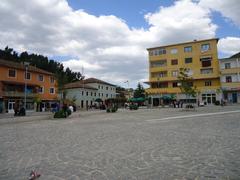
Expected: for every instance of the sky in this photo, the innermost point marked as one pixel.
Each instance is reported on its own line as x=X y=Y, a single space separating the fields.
x=107 y=39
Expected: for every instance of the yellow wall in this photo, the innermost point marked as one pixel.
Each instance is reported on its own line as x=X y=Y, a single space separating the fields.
x=195 y=66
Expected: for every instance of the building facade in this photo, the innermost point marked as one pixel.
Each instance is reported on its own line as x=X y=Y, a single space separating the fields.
x=14 y=77
x=230 y=79
x=90 y=91
x=198 y=57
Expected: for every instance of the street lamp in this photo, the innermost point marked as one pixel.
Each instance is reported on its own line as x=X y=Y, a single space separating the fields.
x=26 y=64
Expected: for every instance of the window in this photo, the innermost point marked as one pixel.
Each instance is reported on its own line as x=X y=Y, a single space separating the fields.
x=174 y=84
x=52 y=79
x=174 y=73
x=11 y=73
x=87 y=93
x=188 y=60
x=157 y=52
x=102 y=94
x=52 y=90
x=162 y=74
x=160 y=63
x=227 y=65
x=98 y=86
x=228 y=79
x=174 y=61
x=41 y=90
x=188 y=49
x=206 y=62
x=205 y=47
x=91 y=93
x=150 y=53
x=208 y=83
x=174 y=51
x=40 y=77
x=99 y=94
x=106 y=87
x=95 y=94
x=102 y=87
x=206 y=71
x=82 y=93
x=190 y=84
x=27 y=75
x=159 y=85
x=106 y=95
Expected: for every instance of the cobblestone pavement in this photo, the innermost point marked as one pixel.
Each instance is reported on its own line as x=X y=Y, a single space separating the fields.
x=125 y=145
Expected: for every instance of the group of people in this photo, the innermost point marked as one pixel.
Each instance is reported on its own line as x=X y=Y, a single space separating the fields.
x=177 y=104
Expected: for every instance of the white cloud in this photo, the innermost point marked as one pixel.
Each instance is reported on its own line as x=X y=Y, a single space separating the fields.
x=228 y=8
x=229 y=45
x=105 y=45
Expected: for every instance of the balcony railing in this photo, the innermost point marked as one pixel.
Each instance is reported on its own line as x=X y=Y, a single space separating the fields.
x=18 y=94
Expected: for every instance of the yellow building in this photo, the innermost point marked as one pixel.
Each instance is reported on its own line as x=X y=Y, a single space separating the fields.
x=201 y=60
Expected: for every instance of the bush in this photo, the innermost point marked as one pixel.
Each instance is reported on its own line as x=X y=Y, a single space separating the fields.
x=112 y=109
x=60 y=114
x=217 y=103
x=133 y=107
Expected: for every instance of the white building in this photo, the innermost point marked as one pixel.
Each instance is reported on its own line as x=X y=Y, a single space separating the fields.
x=230 y=78
x=87 y=91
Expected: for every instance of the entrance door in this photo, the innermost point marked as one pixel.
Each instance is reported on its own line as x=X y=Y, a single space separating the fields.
x=11 y=106
x=234 y=97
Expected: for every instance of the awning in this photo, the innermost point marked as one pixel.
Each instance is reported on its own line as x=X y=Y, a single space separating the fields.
x=140 y=99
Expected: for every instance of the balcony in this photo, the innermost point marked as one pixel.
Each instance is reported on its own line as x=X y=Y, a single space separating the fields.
x=168 y=90
x=18 y=94
x=230 y=71
x=231 y=85
x=162 y=79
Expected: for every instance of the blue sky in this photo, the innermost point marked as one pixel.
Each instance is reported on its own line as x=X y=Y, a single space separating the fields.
x=109 y=37
x=131 y=11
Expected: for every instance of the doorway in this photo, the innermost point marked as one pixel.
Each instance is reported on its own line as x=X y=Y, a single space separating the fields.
x=11 y=104
x=234 y=97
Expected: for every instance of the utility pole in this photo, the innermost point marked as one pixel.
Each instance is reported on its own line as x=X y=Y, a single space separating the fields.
x=26 y=64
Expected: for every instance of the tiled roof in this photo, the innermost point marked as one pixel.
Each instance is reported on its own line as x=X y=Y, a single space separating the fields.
x=78 y=84
x=16 y=65
x=94 y=80
x=237 y=55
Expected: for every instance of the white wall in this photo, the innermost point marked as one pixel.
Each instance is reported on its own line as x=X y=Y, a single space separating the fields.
x=234 y=63
x=235 y=78
x=105 y=91
x=77 y=94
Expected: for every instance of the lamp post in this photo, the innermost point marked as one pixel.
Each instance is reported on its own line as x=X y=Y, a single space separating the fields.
x=159 y=101
x=128 y=88
x=26 y=64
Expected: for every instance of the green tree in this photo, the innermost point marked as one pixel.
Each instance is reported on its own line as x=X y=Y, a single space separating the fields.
x=139 y=92
x=185 y=83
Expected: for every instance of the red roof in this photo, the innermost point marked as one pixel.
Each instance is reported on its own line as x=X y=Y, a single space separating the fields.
x=94 y=80
x=78 y=84
x=16 y=65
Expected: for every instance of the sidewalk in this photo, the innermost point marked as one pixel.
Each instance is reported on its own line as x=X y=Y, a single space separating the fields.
x=9 y=118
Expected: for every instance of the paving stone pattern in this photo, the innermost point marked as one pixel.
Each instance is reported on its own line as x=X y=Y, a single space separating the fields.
x=125 y=146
